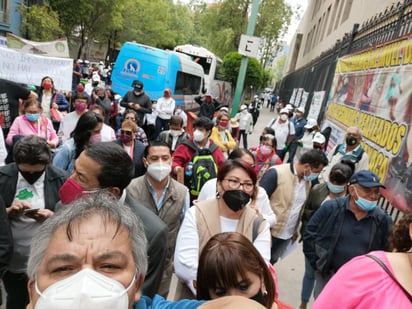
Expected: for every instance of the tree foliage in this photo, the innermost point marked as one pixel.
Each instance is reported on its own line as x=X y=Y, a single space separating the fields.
x=255 y=75
x=40 y=23
x=164 y=24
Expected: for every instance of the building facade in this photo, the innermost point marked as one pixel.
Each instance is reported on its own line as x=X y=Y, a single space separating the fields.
x=324 y=23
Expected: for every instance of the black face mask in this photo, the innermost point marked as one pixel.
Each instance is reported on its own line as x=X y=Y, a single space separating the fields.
x=351 y=141
x=31 y=177
x=101 y=97
x=236 y=199
x=259 y=298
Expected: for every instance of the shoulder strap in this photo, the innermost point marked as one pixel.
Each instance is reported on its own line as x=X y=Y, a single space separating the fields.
x=386 y=269
x=190 y=144
x=256 y=224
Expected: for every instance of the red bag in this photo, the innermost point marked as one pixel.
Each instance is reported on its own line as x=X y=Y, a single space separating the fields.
x=55 y=115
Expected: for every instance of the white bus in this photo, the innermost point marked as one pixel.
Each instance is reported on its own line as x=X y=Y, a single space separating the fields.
x=211 y=65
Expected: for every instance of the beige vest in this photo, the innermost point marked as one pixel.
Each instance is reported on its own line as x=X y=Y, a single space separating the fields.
x=171 y=209
x=283 y=197
x=208 y=221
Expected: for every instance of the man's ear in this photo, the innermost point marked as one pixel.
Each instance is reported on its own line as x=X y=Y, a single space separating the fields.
x=31 y=290
x=138 y=284
x=115 y=191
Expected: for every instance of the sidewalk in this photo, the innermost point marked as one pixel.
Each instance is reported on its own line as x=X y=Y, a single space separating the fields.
x=290 y=270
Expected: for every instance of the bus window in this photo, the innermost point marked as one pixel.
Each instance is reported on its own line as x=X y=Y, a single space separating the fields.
x=218 y=73
x=187 y=83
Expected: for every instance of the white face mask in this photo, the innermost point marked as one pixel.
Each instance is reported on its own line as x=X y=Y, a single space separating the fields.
x=284 y=117
x=175 y=133
x=159 y=170
x=198 y=136
x=84 y=290
x=178 y=112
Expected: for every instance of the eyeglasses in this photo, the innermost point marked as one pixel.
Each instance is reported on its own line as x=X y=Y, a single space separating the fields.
x=126 y=132
x=369 y=192
x=235 y=184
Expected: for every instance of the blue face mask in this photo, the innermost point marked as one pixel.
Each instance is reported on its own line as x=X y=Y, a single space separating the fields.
x=32 y=117
x=365 y=204
x=310 y=177
x=335 y=188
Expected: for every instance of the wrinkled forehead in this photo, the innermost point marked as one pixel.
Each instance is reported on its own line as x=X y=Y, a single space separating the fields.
x=353 y=132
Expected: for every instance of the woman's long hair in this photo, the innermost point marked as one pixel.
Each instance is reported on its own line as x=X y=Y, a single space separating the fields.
x=228 y=257
x=83 y=130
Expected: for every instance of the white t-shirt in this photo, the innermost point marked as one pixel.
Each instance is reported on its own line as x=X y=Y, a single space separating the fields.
x=282 y=132
x=22 y=227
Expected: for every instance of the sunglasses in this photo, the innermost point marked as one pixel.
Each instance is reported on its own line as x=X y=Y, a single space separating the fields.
x=126 y=132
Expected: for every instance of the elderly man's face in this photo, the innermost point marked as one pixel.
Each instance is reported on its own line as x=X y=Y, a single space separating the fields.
x=96 y=245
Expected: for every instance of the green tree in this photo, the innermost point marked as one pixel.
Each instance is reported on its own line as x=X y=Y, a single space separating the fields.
x=255 y=75
x=89 y=20
x=279 y=67
x=40 y=23
x=271 y=26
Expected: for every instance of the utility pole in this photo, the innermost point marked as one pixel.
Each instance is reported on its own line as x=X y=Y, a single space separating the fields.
x=243 y=64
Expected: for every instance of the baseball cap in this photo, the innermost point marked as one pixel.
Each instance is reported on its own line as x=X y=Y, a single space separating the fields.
x=284 y=111
x=310 y=123
x=210 y=94
x=300 y=109
x=224 y=109
x=137 y=84
x=243 y=107
x=289 y=107
x=366 y=179
x=319 y=138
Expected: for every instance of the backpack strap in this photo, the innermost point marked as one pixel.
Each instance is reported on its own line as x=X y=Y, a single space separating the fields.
x=255 y=229
x=190 y=144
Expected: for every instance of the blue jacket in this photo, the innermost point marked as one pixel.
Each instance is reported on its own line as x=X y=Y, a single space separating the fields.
x=57 y=98
x=324 y=228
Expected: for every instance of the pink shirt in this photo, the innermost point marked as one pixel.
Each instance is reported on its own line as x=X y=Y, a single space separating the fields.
x=362 y=283
x=21 y=126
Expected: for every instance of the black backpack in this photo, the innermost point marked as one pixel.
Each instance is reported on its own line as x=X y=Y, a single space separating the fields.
x=203 y=167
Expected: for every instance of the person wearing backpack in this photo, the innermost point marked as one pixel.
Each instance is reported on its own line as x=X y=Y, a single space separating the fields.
x=351 y=149
x=198 y=156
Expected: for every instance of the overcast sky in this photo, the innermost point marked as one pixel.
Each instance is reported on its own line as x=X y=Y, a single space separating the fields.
x=294 y=24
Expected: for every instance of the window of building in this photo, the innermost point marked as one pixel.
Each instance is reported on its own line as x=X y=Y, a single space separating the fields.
x=338 y=16
x=348 y=8
x=332 y=20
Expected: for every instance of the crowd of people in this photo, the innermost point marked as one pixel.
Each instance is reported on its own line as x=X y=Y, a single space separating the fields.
x=104 y=201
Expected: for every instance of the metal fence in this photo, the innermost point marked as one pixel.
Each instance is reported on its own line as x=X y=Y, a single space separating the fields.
x=393 y=23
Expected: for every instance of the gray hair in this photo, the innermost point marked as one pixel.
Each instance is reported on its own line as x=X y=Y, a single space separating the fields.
x=106 y=206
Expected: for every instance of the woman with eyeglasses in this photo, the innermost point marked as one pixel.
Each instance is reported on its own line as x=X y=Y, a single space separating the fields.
x=227 y=212
x=140 y=133
x=260 y=204
x=134 y=147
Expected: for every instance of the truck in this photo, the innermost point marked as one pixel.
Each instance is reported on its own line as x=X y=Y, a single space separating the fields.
x=157 y=69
